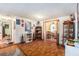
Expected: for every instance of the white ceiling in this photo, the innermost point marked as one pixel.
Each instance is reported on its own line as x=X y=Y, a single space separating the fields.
x=31 y=9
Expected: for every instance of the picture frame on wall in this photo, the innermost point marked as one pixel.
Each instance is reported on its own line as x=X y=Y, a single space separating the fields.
x=18 y=21
x=28 y=26
x=22 y=23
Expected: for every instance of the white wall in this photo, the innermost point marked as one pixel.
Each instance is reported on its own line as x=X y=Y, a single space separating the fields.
x=13 y=30
x=0 y=29
x=19 y=31
x=41 y=22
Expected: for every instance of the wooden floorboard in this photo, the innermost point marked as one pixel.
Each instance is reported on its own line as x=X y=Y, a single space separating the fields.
x=41 y=48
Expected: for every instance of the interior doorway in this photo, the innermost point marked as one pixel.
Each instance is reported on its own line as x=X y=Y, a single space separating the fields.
x=51 y=30
x=7 y=31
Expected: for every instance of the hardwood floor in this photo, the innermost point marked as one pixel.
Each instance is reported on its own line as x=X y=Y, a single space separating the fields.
x=11 y=50
x=41 y=48
x=35 y=48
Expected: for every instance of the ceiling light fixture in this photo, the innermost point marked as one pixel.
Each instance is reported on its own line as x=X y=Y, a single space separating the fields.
x=39 y=16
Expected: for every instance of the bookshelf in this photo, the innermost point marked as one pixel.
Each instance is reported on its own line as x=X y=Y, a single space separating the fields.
x=38 y=32
x=78 y=30
x=68 y=30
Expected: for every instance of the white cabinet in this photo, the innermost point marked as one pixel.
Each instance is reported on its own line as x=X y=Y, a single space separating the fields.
x=28 y=37
x=71 y=50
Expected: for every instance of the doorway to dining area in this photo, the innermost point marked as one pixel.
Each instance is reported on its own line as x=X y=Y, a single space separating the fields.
x=6 y=31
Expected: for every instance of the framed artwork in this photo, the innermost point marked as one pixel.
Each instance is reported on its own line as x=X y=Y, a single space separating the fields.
x=18 y=21
x=22 y=23
x=28 y=26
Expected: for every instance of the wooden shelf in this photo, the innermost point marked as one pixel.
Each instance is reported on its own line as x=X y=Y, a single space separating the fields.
x=68 y=30
x=38 y=32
